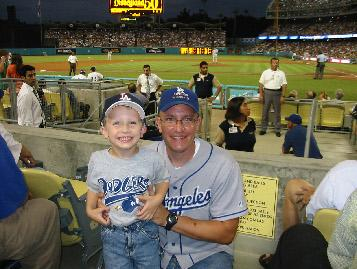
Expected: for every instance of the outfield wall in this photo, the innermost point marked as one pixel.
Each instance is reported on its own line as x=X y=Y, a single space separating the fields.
x=116 y=50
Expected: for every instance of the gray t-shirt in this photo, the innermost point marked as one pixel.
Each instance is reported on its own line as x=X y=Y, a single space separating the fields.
x=121 y=180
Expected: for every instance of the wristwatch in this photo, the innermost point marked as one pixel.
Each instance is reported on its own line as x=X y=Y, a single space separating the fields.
x=171 y=220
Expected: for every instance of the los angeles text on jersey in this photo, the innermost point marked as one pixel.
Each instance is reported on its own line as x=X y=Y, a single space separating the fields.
x=187 y=202
x=119 y=189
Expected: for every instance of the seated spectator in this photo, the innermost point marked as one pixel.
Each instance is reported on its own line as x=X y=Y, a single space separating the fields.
x=300 y=246
x=339 y=95
x=293 y=95
x=142 y=98
x=295 y=139
x=30 y=228
x=342 y=249
x=81 y=75
x=237 y=131
x=310 y=94
x=323 y=96
x=13 y=70
x=332 y=193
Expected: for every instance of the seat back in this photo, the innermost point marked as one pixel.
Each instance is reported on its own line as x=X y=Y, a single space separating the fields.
x=332 y=115
x=288 y=108
x=44 y=184
x=325 y=221
x=256 y=110
x=55 y=98
x=304 y=110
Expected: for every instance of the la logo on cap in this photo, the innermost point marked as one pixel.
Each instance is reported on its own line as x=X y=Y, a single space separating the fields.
x=124 y=97
x=180 y=93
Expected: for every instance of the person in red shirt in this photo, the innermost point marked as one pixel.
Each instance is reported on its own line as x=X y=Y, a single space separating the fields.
x=13 y=68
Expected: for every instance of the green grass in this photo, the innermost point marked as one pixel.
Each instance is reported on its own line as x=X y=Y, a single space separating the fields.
x=241 y=70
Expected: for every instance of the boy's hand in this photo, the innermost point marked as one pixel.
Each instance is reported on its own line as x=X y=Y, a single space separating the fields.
x=100 y=215
x=151 y=203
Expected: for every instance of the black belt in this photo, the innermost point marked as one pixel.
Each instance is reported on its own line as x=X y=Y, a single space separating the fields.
x=273 y=90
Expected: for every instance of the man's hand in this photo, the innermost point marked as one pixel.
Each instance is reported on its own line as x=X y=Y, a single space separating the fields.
x=99 y=215
x=26 y=157
x=151 y=203
x=160 y=216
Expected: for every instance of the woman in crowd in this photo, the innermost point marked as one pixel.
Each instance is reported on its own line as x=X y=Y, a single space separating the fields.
x=237 y=132
x=13 y=70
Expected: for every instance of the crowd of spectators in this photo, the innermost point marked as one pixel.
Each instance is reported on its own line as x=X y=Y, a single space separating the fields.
x=330 y=27
x=103 y=37
x=310 y=8
x=336 y=49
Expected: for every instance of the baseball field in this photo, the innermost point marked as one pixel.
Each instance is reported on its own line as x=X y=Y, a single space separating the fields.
x=238 y=70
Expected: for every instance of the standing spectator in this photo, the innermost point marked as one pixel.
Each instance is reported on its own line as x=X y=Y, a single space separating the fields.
x=139 y=95
x=204 y=82
x=29 y=112
x=196 y=232
x=4 y=57
x=73 y=61
x=295 y=139
x=272 y=88
x=215 y=55
x=148 y=84
x=320 y=65
x=13 y=70
x=94 y=75
x=30 y=228
x=238 y=130
x=81 y=75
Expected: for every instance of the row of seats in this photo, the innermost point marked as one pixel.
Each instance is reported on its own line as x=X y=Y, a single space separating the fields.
x=327 y=114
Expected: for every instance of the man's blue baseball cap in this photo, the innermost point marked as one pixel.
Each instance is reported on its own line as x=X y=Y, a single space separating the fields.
x=294 y=118
x=176 y=96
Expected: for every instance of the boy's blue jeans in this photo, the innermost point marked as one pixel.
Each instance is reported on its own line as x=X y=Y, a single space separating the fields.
x=131 y=247
x=215 y=261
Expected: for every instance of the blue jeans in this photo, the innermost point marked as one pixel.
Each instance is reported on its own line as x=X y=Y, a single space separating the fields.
x=131 y=247
x=216 y=261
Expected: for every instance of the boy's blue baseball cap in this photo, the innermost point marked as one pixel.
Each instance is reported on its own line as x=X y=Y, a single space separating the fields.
x=123 y=99
x=294 y=118
x=176 y=96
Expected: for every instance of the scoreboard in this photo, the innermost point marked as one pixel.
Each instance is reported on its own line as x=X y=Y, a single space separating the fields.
x=136 y=7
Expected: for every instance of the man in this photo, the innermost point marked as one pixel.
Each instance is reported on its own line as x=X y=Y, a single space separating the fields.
x=94 y=75
x=272 y=89
x=139 y=95
x=73 y=61
x=29 y=228
x=320 y=66
x=110 y=55
x=214 y=55
x=81 y=75
x=332 y=192
x=29 y=112
x=148 y=84
x=295 y=139
x=203 y=204
x=204 y=83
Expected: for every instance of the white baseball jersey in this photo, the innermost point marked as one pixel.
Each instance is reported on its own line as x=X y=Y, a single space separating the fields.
x=209 y=187
x=72 y=59
x=79 y=76
x=95 y=76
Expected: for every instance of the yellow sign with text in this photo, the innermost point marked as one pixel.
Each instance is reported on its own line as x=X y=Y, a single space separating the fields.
x=261 y=194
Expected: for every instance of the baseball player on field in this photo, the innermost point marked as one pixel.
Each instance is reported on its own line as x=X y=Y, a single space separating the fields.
x=205 y=198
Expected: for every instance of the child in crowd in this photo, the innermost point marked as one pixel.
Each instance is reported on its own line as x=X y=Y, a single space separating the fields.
x=127 y=176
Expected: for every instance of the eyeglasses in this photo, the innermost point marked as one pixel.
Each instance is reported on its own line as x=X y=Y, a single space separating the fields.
x=172 y=122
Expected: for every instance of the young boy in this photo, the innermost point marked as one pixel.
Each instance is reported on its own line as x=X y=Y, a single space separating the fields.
x=123 y=173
